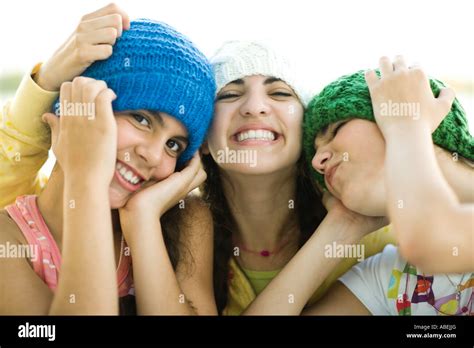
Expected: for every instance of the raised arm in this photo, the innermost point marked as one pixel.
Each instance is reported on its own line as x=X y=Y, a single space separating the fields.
x=435 y=230
x=25 y=138
x=86 y=151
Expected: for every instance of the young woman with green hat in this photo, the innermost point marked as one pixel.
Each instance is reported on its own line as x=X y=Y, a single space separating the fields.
x=364 y=172
x=113 y=187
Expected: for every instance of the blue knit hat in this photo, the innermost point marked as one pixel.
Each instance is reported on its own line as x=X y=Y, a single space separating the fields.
x=154 y=67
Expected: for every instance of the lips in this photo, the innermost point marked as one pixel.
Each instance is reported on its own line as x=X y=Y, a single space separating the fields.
x=128 y=177
x=329 y=175
x=255 y=134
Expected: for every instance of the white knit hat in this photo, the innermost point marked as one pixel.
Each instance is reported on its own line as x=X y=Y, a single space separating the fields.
x=237 y=59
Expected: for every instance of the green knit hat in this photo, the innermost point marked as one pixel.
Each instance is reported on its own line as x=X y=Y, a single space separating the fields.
x=349 y=97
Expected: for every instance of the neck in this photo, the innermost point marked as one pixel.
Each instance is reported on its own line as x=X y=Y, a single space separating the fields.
x=262 y=206
x=458 y=174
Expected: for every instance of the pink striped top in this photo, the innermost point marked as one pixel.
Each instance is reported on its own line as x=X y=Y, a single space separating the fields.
x=47 y=264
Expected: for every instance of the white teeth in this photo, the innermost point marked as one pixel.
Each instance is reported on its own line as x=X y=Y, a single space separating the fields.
x=127 y=174
x=259 y=134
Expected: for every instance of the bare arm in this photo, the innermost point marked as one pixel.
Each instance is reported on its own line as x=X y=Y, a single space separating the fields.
x=339 y=300
x=161 y=291
x=88 y=267
x=435 y=231
x=86 y=152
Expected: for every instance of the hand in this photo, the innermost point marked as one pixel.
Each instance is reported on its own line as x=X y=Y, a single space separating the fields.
x=402 y=98
x=92 y=40
x=154 y=199
x=85 y=142
x=359 y=225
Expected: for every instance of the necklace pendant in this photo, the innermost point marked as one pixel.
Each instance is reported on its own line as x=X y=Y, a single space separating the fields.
x=265 y=253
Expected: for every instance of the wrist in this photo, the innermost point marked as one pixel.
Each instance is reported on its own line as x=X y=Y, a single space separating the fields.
x=86 y=183
x=400 y=131
x=139 y=236
x=342 y=228
x=44 y=83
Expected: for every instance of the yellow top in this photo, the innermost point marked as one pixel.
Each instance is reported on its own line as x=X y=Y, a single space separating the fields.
x=259 y=279
x=24 y=140
x=242 y=290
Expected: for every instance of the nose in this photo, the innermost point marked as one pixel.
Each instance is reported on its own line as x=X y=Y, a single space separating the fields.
x=255 y=105
x=151 y=152
x=320 y=160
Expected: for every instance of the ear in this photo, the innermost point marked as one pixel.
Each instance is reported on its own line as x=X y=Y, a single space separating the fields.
x=205 y=148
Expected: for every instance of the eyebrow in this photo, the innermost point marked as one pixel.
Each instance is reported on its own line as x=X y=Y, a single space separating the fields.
x=159 y=118
x=237 y=82
x=156 y=115
x=268 y=81
x=183 y=139
x=271 y=80
x=322 y=135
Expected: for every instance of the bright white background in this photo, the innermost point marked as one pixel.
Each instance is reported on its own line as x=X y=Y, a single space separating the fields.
x=331 y=37
x=326 y=38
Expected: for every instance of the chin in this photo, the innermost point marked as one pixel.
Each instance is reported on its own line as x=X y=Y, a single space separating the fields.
x=362 y=204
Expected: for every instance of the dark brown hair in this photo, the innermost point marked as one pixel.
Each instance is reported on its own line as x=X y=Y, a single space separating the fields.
x=308 y=205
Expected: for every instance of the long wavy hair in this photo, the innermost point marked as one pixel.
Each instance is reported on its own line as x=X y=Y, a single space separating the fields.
x=308 y=204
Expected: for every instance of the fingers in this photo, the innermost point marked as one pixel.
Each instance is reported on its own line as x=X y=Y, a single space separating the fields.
x=446 y=99
x=386 y=66
x=52 y=121
x=91 y=90
x=107 y=35
x=193 y=174
x=65 y=96
x=109 y=21
x=96 y=52
x=399 y=63
x=108 y=10
x=371 y=78
x=198 y=180
x=103 y=102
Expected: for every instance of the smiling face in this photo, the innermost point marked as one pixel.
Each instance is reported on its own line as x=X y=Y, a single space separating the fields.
x=256 y=116
x=148 y=146
x=350 y=154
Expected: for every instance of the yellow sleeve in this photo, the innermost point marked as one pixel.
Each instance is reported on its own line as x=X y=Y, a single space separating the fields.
x=24 y=140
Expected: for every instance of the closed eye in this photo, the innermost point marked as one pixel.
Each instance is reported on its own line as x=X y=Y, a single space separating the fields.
x=282 y=94
x=227 y=96
x=334 y=132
